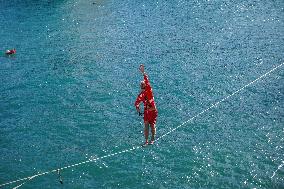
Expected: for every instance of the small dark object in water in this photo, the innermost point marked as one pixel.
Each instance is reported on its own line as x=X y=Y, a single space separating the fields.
x=9 y=52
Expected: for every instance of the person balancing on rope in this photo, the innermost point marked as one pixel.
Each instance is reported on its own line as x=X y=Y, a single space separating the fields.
x=150 y=110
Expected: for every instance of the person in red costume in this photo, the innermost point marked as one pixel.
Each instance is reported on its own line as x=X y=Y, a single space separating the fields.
x=150 y=110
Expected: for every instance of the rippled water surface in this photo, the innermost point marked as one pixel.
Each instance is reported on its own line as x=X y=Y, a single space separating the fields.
x=67 y=96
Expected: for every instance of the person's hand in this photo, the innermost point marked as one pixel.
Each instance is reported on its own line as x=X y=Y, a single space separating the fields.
x=142 y=69
x=138 y=111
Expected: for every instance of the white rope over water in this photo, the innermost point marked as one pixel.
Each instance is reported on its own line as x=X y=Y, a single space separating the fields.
x=279 y=167
x=138 y=147
x=214 y=105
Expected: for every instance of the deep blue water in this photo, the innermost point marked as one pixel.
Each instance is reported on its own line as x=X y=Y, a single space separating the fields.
x=68 y=94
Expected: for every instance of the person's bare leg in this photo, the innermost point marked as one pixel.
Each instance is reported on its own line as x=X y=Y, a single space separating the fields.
x=146 y=132
x=153 y=131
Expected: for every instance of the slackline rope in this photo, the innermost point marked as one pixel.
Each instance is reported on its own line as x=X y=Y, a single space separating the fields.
x=279 y=167
x=138 y=147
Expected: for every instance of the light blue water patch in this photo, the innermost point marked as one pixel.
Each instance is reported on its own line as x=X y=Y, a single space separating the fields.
x=68 y=94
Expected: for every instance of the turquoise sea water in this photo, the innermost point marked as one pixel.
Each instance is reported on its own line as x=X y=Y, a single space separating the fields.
x=67 y=96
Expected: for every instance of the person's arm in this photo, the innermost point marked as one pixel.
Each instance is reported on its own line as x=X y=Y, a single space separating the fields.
x=139 y=99
x=146 y=79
